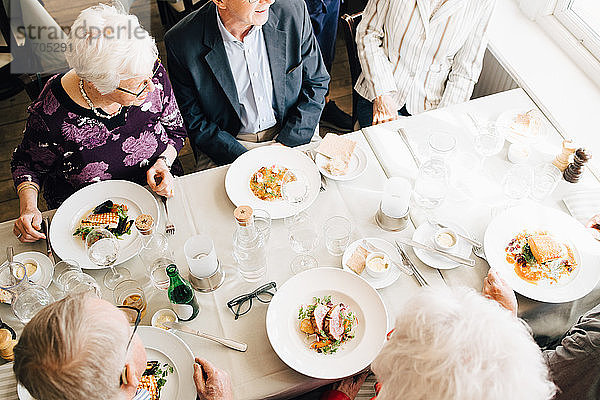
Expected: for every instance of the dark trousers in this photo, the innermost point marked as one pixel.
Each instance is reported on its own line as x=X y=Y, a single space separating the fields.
x=324 y=16
x=364 y=109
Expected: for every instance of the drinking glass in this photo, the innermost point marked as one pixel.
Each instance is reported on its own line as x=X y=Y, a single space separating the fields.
x=262 y=222
x=129 y=293
x=156 y=255
x=303 y=239
x=294 y=190
x=545 y=179
x=337 y=234
x=64 y=271
x=441 y=145
x=431 y=185
x=26 y=298
x=489 y=141
x=517 y=183
x=103 y=250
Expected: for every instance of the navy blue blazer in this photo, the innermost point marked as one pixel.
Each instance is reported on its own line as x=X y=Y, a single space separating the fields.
x=205 y=90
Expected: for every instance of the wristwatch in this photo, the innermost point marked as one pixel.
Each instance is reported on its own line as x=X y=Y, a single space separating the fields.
x=166 y=160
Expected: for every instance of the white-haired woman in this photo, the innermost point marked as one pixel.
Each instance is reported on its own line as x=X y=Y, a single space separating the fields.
x=112 y=116
x=453 y=344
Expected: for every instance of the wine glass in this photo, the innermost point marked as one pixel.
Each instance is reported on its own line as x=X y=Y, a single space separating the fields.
x=294 y=190
x=103 y=250
x=303 y=239
x=489 y=141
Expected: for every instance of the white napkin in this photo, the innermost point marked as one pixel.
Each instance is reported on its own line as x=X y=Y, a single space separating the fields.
x=583 y=205
x=8 y=382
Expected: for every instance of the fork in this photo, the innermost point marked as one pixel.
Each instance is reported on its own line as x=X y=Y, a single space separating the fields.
x=169 y=226
x=479 y=252
x=312 y=155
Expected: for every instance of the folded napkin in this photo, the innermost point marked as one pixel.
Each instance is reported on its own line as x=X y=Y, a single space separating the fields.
x=8 y=382
x=583 y=205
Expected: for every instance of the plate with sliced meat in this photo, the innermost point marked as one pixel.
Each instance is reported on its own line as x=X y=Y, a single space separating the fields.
x=114 y=205
x=325 y=330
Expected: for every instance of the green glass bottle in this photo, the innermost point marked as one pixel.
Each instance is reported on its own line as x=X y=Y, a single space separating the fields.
x=182 y=296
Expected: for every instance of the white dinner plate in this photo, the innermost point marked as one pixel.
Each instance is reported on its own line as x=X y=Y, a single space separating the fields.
x=356 y=167
x=506 y=120
x=237 y=180
x=383 y=245
x=424 y=234
x=535 y=218
x=290 y=343
x=163 y=347
x=45 y=265
x=66 y=219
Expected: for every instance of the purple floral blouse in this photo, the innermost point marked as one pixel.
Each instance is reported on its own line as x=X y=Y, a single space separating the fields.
x=66 y=146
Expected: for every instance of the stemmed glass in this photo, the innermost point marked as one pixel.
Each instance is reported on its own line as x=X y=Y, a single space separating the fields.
x=294 y=190
x=103 y=250
x=303 y=239
x=489 y=141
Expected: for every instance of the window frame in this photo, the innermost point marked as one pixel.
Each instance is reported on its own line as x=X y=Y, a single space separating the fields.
x=565 y=28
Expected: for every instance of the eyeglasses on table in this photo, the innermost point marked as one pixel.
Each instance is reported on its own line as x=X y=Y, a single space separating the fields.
x=242 y=304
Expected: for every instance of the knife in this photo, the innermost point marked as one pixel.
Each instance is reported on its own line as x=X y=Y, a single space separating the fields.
x=46 y=229
x=461 y=260
x=232 y=344
x=406 y=261
x=402 y=134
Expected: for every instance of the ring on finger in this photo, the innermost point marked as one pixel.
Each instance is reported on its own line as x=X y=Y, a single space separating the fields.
x=19 y=236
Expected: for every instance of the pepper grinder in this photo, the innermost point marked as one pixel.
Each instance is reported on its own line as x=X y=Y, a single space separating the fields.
x=562 y=160
x=575 y=169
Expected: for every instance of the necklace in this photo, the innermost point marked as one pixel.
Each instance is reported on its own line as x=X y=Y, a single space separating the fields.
x=439 y=5
x=94 y=109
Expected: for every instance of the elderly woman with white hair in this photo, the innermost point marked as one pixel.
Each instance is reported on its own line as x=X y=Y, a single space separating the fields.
x=113 y=115
x=451 y=344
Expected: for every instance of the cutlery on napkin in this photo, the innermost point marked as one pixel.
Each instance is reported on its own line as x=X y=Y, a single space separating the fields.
x=461 y=260
x=232 y=344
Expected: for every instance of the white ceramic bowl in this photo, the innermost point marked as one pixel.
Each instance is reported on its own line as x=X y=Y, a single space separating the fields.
x=160 y=314
x=444 y=233
x=374 y=272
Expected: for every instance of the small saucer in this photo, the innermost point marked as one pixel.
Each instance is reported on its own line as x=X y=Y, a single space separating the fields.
x=44 y=263
x=383 y=245
x=424 y=234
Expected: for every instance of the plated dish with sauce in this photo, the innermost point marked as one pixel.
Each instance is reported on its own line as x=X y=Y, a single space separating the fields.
x=543 y=253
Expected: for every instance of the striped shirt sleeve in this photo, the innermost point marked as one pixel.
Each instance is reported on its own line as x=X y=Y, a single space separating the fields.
x=468 y=61
x=376 y=66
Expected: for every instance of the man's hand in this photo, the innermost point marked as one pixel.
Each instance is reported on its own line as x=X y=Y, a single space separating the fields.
x=160 y=179
x=385 y=109
x=27 y=227
x=496 y=288
x=351 y=385
x=211 y=382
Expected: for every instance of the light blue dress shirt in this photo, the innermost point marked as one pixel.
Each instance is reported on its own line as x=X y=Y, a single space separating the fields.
x=249 y=64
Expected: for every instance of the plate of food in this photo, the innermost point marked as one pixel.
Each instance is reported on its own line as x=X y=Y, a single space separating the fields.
x=522 y=125
x=339 y=158
x=355 y=260
x=325 y=330
x=255 y=179
x=112 y=204
x=543 y=253
x=170 y=365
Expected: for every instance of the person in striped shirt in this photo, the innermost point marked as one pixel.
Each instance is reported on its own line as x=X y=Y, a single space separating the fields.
x=82 y=347
x=418 y=55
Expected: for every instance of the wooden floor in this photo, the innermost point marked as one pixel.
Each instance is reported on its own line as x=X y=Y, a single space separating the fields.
x=13 y=111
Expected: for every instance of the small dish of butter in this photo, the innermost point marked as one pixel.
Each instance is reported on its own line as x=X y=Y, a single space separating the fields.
x=444 y=239
x=377 y=264
x=161 y=316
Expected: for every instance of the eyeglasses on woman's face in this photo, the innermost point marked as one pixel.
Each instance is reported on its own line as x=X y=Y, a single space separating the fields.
x=144 y=84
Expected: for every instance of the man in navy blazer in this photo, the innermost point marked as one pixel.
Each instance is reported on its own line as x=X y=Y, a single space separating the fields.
x=220 y=58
